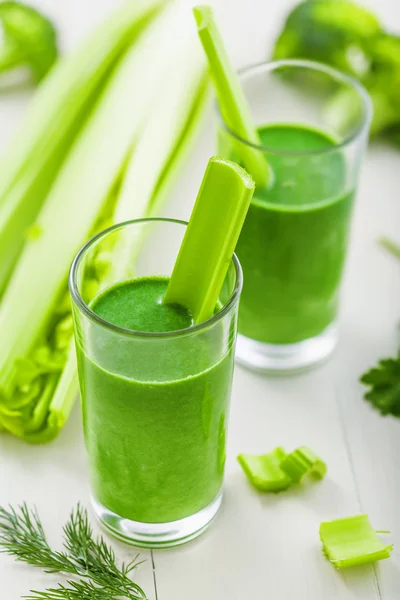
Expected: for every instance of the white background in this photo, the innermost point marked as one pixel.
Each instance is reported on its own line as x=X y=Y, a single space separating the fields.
x=260 y=547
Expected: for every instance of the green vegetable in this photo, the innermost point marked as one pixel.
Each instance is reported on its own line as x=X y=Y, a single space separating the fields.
x=384 y=383
x=232 y=101
x=210 y=238
x=264 y=472
x=53 y=121
x=277 y=470
x=37 y=360
x=352 y=541
x=90 y=561
x=336 y=32
x=384 y=379
x=29 y=40
x=150 y=173
x=303 y=462
x=350 y=38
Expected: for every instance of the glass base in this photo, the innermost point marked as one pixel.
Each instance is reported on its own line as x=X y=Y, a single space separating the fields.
x=156 y=535
x=279 y=358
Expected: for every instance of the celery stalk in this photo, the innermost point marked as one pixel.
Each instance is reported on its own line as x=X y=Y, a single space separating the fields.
x=157 y=146
x=79 y=193
x=210 y=239
x=160 y=136
x=53 y=120
x=232 y=101
x=159 y=152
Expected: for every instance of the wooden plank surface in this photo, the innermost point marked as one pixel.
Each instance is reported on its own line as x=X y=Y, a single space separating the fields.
x=259 y=546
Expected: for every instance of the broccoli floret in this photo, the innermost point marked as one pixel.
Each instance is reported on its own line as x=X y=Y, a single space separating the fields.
x=335 y=32
x=29 y=39
x=383 y=81
x=350 y=38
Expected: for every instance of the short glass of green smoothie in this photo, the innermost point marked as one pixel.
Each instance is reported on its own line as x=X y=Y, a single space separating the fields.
x=313 y=124
x=155 y=388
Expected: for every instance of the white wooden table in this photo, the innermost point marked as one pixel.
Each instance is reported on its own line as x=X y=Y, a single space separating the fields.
x=260 y=547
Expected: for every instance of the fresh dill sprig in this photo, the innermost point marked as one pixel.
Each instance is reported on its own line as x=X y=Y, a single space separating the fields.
x=89 y=559
x=81 y=590
x=97 y=558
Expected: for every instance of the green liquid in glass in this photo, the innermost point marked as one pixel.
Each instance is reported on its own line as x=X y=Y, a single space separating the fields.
x=156 y=448
x=293 y=244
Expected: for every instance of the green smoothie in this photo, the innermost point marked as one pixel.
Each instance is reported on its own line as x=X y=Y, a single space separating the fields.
x=156 y=436
x=293 y=244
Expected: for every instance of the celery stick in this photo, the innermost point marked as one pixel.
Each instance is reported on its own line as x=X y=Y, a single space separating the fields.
x=232 y=101
x=80 y=191
x=158 y=142
x=182 y=148
x=53 y=120
x=210 y=238
x=161 y=133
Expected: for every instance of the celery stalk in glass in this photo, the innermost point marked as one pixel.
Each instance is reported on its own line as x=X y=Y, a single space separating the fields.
x=232 y=101
x=210 y=239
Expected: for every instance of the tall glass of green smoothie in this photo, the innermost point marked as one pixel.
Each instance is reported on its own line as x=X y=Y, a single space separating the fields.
x=155 y=387
x=312 y=124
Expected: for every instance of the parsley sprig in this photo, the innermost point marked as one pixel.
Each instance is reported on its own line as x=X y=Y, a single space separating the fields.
x=384 y=383
x=384 y=379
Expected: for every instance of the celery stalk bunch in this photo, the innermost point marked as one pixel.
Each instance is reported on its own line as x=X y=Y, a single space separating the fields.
x=116 y=155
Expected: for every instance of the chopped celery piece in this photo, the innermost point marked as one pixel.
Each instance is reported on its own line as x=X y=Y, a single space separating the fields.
x=352 y=541
x=54 y=119
x=277 y=470
x=31 y=411
x=29 y=40
x=210 y=238
x=303 y=462
x=264 y=472
x=232 y=101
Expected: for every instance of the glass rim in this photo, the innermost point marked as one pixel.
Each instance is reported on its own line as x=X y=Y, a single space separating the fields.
x=316 y=66
x=95 y=318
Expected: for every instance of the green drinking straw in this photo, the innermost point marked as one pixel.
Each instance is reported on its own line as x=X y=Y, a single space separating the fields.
x=232 y=101
x=210 y=239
